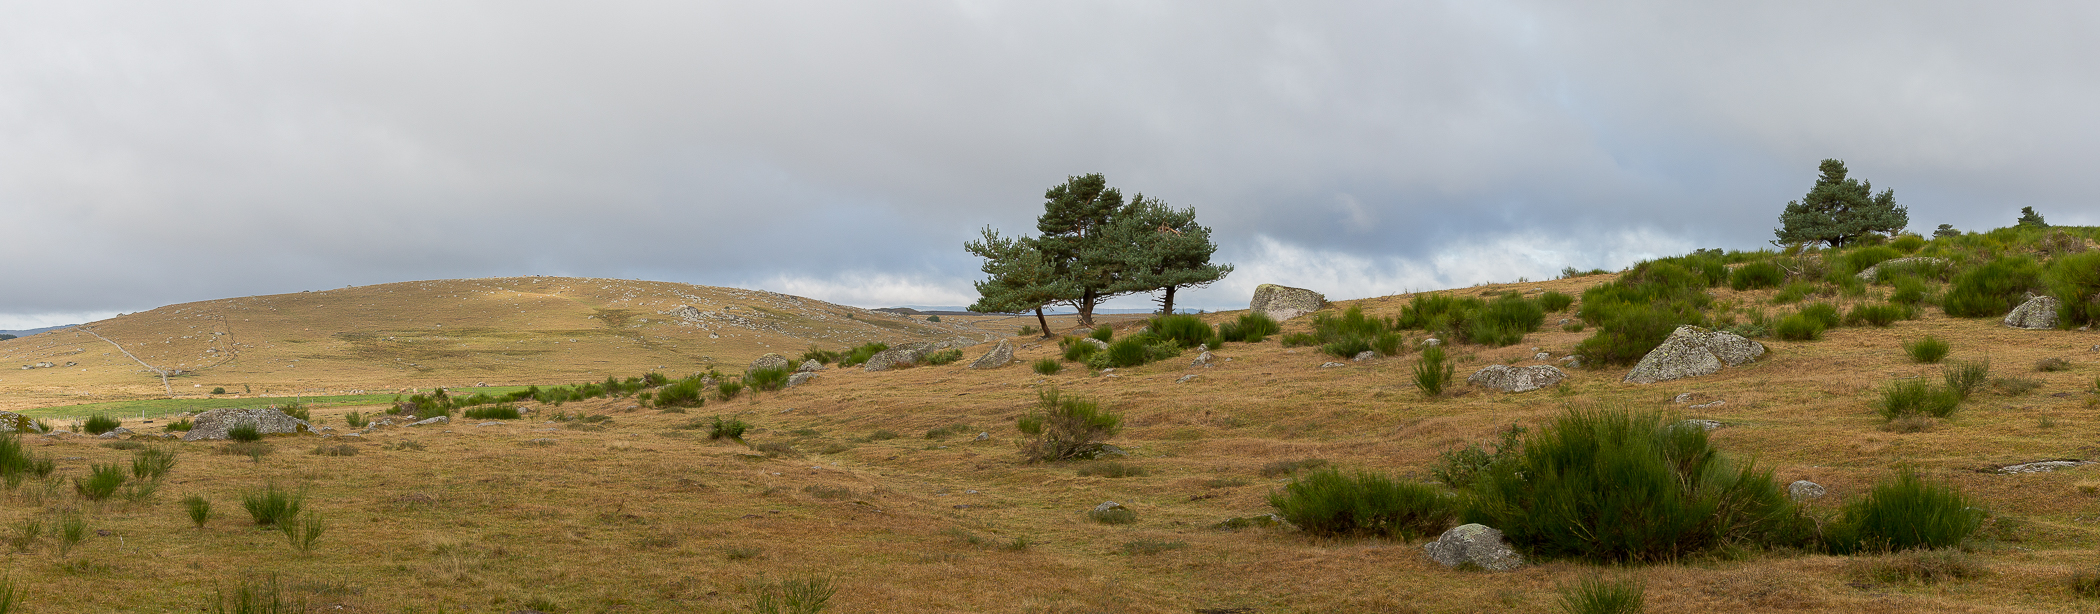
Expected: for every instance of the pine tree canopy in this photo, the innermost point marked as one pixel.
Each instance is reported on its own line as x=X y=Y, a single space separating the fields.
x=1840 y=210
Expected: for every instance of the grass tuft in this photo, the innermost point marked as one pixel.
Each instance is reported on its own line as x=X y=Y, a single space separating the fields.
x=1928 y=350
x=1598 y=596
x=1434 y=371
x=272 y=506
x=1328 y=502
x=1903 y=513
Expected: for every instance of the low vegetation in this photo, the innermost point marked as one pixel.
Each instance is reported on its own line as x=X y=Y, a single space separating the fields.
x=1065 y=427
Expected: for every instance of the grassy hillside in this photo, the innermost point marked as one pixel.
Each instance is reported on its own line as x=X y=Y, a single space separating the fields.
x=880 y=485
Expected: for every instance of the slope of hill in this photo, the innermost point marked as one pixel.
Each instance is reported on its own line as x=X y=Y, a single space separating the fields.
x=443 y=333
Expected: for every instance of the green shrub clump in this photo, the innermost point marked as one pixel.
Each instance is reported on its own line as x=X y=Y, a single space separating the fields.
x=1966 y=376
x=1993 y=289
x=934 y=358
x=102 y=481
x=1048 y=366
x=1497 y=323
x=493 y=412
x=769 y=380
x=1756 y=276
x=1928 y=350
x=1878 y=316
x=1251 y=327
x=1555 y=301
x=1598 y=596
x=2074 y=280
x=244 y=431
x=1616 y=486
x=101 y=423
x=1434 y=371
x=1065 y=427
x=688 y=392
x=272 y=505
x=1635 y=313
x=1908 y=398
x=1328 y=502
x=1133 y=350
x=1354 y=333
x=1184 y=330
x=1902 y=513
x=731 y=429
x=861 y=354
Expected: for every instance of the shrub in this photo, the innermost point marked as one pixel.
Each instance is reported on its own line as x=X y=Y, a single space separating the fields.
x=1966 y=376
x=182 y=425
x=102 y=481
x=1879 y=316
x=769 y=380
x=1134 y=350
x=1798 y=327
x=1028 y=330
x=2074 y=280
x=493 y=412
x=244 y=431
x=1065 y=427
x=2052 y=365
x=1328 y=502
x=99 y=423
x=218 y=390
x=1251 y=327
x=1917 y=398
x=256 y=596
x=1909 y=244
x=16 y=462
x=1611 y=485
x=1793 y=292
x=1458 y=468
x=1628 y=330
x=933 y=318
x=825 y=357
x=1598 y=596
x=1555 y=301
x=1861 y=259
x=304 y=533
x=1111 y=469
x=298 y=410
x=72 y=529
x=1434 y=371
x=198 y=508
x=356 y=420
x=1048 y=366
x=1077 y=350
x=729 y=389
x=1104 y=334
x=1928 y=350
x=1823 y=313
x=1184 y=330
x=1756 y=275
x=1910 y=291
x=1113 y=515
x=1902 y=513
x=731 y=429
x=936 y=358
x=861 y=353
x=1300 y=340
x=1993 y=289
x=272 y=505
x=1505 y=320
x=688 y=392
x=152 y=463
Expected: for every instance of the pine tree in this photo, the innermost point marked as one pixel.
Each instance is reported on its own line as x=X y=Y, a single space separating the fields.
x=1021 y=277
x=1839 y=210
x=2029 y=218
x=1075 y=240
x=1164 y=250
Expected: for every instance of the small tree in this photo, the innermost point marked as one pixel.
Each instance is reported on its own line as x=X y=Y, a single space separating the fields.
x=1021 y=277
x=2029 y=218
x=1944 y=231
x=1838 y=211
x=1163 y=249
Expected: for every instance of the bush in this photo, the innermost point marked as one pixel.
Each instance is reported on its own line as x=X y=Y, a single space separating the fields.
x=244 y=431
x=1908 y=244
x=183 y=425
x=1628 y=327
x=933 y=318
x=1251 y=327
x=688 y=392
x=1434 y=371
x=99 y=423
x=1910 y=291
x=2074 y=280
x=1823 y=313
x=493 y=412
x=1113 y=515
x=1075 y=349
x=1793 y=292
x=1028 y=330
x=102 y=481
x=1103 y=334
x=2052 y=365
x=272 y=505
x=1064 y=428
x=1611 y=486
x=356 y=420
x=1902 y=513
x=1134 y=350
x=936 y=358
x=1913 y=397
x=218 y=390
x=298 y=410
x=1861 y=259
x=1048 y=366
x=825 y=357
x=1328 y=502
x=861 y=353
x=1597 y=596
x=731 y=429
x=1555 y=301
x=1459 y=468
x=198 y=508
x=1993 y=289
x=729 y=389
x=1928 y=350
x=1879 y=316
x=1300 y=340
x=304 y=533
x=1505 y=320
x=152 y=463
x=1756 y=275
x=769 y=380
x=1966 y=376
x=1799 y=327
x=1186 y=331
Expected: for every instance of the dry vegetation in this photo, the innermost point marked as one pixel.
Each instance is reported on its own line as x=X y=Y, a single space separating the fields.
x=840 y=480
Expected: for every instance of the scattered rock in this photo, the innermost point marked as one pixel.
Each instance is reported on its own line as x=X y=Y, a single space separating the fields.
x=1572 y=362
x=1869 y=274
x=482 y=424
x=11 y=422
x=1107 y=506
x=891 y=359
x=1333 y=365
x=1517 y=379
x=800 y=379
x=1432 y=342
x=1094 y=342
x=2042 y=466
x=115 y=433
x=429 y=421
x=1473 y=544
x=1283 y=302
x=1202 y=360
x=1708 y=405
x=1186 y=379
x=770 y=361
x=2036 y=314
x=1685 y=398
x=267 y=420
x=1000 y=356
x=1364 y=355
x=810 y=365
x=981 y=436
x=1804 y=490
x=1542 y=357
x=1704 y=425
x=1692 y=351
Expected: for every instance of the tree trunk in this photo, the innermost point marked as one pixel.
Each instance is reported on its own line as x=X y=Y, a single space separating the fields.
x=1086 y=307
x=1039 y=319
x=1166 y=304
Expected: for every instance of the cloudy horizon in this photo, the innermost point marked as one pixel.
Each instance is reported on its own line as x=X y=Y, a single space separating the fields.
x=160 y=154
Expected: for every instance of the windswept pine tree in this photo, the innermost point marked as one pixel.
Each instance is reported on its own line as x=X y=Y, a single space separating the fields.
x=1839 y=211
x=1095 y=246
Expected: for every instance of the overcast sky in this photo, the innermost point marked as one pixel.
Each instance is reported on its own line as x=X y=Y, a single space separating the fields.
x=157 y=153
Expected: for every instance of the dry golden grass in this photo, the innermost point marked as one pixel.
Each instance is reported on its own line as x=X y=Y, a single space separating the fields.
x=645 y=516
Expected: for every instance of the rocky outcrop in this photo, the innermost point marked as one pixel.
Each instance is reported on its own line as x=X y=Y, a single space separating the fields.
x=892 y=359
x=1875 y=271
x=771 y=361
x=1517 y=379
x=11 y=422
x=2037 y=313
x=1283 y=302
x=810 y=366
x=1473 y=545
x=1691 y=351
x=800 y=379
x=1000 y=356
x=267 y=420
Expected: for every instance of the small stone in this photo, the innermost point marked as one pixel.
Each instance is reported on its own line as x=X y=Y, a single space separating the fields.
x=1202 y=360
x=1542 y=356
x=1685 y=398
x=981 y=436
x=1475 y=544
x=1432 y=342
x=1107 y=506
x=1704 y=425
x=429 y=421
x=1186 y=379
x=1333 y=365
x=809 y=366
x=1804 y=490
x=1364 y=355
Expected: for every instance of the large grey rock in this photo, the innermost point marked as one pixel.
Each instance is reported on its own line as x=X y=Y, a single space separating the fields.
x=1517 y=379
x=1475 y=544
x=800 y=379
x=2035 y=314
x=891 y=359
x=1000 y=356
x=1804 y=490
x=1873 y=271
x=11 y=422
x=1283 y=302
x=771 y=361
x=267 y=420
x=809 y=366
x=1691 y=351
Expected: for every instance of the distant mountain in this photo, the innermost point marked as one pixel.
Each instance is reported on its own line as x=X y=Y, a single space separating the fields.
x=25 y=333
